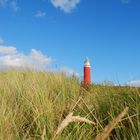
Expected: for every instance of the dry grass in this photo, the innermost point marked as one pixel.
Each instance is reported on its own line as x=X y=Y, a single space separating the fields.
x=69 y=119
x=34 y=106
x=112 y=125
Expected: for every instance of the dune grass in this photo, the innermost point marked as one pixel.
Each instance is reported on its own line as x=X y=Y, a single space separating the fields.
x=34 y=104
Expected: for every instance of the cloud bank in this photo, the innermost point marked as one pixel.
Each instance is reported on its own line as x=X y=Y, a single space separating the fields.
x=11 y=58
x=66 y=5
x=7 y=49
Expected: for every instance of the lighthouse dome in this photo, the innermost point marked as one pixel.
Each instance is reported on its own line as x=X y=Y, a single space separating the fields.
x=87 y=62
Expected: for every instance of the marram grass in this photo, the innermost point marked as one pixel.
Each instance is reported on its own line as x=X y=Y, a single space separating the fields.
x=33 y=106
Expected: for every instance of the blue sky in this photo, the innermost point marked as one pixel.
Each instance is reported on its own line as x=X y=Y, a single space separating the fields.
x=61 y=33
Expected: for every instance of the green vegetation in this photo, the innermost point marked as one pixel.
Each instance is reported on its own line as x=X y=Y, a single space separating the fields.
x=33 y=104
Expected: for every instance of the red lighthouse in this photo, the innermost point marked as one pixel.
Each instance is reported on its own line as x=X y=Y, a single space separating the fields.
x=87 y=67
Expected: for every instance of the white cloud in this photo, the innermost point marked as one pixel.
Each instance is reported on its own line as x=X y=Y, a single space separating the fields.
x=7 y=50
x=65 y=5
x=40 y=14
x=12 y=4
x=1 y=40
x=135 y=83
x=35 y=60
x=11 y=58
x=68 y=71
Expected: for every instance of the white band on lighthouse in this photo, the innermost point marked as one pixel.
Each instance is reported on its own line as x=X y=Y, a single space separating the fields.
x=87 y=63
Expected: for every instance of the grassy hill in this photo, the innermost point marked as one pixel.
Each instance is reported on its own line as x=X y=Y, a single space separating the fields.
x=34 y=104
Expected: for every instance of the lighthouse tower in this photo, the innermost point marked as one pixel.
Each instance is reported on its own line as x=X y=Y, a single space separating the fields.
x=87 y=67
